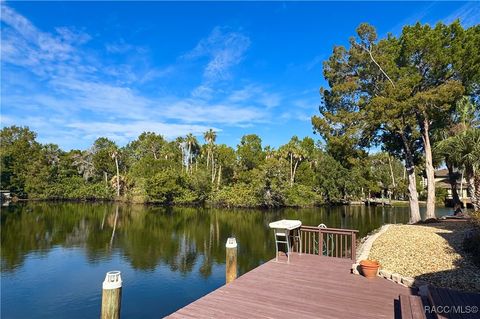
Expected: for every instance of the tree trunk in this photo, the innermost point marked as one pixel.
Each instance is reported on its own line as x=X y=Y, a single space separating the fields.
x=429 y=170
x=183 y=157
x=413 y=195
x=291 y=169
x=212 y=155
x=452 y=178
x=461 y=188
x=208 y=157
x=412 y=182
x=391 y=173
x=118 y=176
x=214 y=172
x=472 y=189
x=219 y=176
x=476 y=198
x=189 y=157
x=293 y=174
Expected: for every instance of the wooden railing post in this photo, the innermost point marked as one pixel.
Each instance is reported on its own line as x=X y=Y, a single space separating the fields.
x=111 y=295
x=354 y=246
x=336 y=241
x=231 y=260
x=320 y=242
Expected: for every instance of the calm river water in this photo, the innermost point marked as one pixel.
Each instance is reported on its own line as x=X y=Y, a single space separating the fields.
x=54 y=256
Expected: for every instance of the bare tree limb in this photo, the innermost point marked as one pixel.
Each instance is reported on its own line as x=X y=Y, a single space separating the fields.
x=376 y=63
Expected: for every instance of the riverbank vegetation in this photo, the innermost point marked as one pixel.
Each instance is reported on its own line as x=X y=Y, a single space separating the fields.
x=414 y=97
x=184 y=171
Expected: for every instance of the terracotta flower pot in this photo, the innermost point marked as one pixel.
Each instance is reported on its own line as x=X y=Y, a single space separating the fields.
x=369 y=268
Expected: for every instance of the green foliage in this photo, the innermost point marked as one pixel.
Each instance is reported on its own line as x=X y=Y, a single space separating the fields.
x=164 y=187
x=237 y=195
x=196 y=189
x=440 y=195
x=331 y=178
x=154 y=170
x=301 y=195
x=250 y=152
x=102 y=151
x=18 y=153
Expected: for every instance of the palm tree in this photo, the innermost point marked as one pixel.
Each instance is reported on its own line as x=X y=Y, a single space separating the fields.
x=210 y=136
x=464 y=151
x=295 y=154
x=464 y=118
x=180 y=142
x=269 y=152
x=192 y=144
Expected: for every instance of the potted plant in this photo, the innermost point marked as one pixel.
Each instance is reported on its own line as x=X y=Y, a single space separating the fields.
x=369 y=268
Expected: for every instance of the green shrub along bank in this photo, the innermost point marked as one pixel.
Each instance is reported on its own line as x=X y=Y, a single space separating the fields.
x=185 y=172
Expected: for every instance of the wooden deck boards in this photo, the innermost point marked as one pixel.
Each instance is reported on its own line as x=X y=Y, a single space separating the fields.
x=309 y=287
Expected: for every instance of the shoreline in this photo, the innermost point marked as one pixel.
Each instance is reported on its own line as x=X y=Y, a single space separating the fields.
x=394 y=203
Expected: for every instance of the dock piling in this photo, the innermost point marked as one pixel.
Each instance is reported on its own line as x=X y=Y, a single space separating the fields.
x=231 y=260
x=111 y=295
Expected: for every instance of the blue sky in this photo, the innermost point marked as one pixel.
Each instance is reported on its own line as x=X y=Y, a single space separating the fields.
x=76 y=71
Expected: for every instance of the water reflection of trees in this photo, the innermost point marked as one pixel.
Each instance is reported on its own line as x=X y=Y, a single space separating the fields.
x=148 y=236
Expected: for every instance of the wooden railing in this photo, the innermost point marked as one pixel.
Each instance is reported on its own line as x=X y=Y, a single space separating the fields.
x=331 y=242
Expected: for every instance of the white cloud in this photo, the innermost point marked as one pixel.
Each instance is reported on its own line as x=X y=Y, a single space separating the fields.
x=121 y=46
x=24 y=45
x=307 y=103
x=70 y=97
x=224 y=49
x=155 y=73
x=469 y=14
x=257 y=94
x=317 y=60
x=71 y=35
x=203 y=92
x=296 y=115
x=193 y=111
x=270 y=99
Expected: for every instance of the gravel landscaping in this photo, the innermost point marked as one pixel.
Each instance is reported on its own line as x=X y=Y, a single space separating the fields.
x=432 y=253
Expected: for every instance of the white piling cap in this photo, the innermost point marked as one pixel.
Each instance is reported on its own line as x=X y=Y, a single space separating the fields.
x=231 y=243
x=113 y=280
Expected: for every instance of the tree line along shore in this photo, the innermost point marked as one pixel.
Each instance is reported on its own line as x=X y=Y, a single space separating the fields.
x=414 y=96
x=151 y=169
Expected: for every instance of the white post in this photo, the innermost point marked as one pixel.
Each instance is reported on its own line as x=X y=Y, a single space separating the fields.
x=111 y=295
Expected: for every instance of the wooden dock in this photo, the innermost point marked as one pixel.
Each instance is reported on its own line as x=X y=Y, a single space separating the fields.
x=311 y=286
